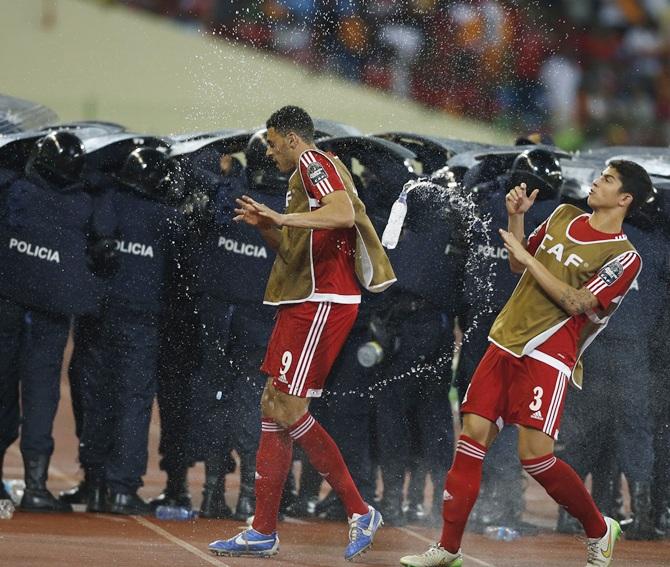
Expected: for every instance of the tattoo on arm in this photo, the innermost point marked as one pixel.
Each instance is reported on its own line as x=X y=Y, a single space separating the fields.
x=576 y=301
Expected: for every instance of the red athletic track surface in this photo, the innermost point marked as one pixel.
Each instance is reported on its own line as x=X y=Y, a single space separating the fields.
x=82 y=539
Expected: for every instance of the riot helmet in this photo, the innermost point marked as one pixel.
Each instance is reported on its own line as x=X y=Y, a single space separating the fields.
x=538 y=169
x=145 y=170
x=650 y=213
x=262 y=172
x=58 y=157
x=15 y=154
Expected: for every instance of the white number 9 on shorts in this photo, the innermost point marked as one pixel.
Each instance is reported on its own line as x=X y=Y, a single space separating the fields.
x=286 y=360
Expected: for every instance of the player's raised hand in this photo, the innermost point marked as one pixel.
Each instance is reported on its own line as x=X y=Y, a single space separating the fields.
x=516 y=249
x=256 y=214
x=518 y=201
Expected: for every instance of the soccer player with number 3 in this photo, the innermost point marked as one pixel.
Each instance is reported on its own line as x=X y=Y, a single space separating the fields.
x=577 y=268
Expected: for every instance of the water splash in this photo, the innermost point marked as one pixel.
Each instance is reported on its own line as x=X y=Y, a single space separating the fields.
x=442 y=191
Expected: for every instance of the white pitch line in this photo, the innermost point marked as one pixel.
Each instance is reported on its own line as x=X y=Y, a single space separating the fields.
x=432 y=541
x=180 y=542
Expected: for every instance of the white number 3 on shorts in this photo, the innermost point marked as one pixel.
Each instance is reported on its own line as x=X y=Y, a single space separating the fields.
x=536 y=404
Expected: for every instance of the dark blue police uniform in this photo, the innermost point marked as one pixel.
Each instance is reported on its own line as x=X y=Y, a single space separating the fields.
x=232 y=266
x=44 y=231
x=123 y=342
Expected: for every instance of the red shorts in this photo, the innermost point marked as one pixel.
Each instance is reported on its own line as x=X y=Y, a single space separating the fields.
x=524 y=391
x=304 y=344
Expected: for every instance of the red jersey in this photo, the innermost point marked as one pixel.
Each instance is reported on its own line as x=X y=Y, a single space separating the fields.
x=333 y=251
x=609 y=285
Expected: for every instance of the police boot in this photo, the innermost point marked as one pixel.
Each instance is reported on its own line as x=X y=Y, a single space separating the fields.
x=246 y=502
x=214 y=493
x=289 y=496
x=642 y=526
x=662 y=520
x=434 y=518
x=4 y=495
x=75 y=495
x=330 y=508
x=486 y=511
x=36 y=497
x=606 y=494
x=79 y=494
x=127 y=504
x=568 y=524
x=304 y=504
x=391 y=504
x=512 y=502
x=413 y=508
x=96 y=497
x=176 y=492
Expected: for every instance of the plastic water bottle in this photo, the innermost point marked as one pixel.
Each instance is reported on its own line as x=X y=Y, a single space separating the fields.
x=175 y=513
x=369 y=354
x=501 y=533
x=6 y=509
x=15 y=489
x=395 y=222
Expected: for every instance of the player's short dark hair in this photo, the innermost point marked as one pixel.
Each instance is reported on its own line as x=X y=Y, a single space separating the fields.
x=292 y=119
x=634 y=180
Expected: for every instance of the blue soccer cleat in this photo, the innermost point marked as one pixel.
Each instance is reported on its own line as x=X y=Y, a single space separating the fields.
x=362 y=531
x=249 y=542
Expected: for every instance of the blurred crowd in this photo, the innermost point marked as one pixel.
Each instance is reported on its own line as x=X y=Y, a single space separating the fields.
x=592 y=71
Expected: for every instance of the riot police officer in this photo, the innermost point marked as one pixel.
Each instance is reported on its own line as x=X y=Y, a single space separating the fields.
x=231 y=264
x=48 y=223
x=179 y=349
x=115 y=353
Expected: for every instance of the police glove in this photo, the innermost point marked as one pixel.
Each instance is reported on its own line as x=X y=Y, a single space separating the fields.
x=102 y=258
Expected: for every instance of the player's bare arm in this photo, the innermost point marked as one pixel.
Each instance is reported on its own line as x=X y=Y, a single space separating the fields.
x=249 y=212
x=336 y=211
x=518 y=202
x=572 y=301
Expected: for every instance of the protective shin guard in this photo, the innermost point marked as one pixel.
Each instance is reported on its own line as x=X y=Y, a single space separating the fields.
x=461 y=489
x=326 y=458
x=563 y=484
x=273 y=462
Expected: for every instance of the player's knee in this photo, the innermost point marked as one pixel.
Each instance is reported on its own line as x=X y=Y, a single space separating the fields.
x=274 y=407
x=534 y=446
x=533 y=453
x=479 y=429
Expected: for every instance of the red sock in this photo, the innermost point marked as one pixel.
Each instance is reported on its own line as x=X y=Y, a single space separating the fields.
x=273 y=461
x=461 y=489
x=563 y=484
x=327 y=459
